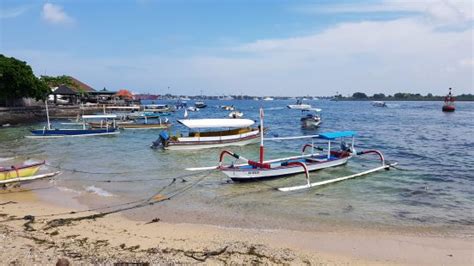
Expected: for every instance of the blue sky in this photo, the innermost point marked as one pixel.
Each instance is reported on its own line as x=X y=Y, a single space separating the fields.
x=249 y=47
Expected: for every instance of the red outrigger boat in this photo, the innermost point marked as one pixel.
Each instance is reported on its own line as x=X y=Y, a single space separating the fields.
x=449 y=103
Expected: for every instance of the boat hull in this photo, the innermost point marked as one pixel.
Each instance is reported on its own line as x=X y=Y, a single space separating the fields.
x=448 y=108
x=253 y=174
x=61 y=133
x=212 y=144
x=19 y=171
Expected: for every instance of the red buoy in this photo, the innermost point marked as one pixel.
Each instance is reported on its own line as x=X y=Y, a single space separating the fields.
x=449 y=103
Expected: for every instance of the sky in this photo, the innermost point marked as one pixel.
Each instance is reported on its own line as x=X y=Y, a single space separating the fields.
x=261 y=47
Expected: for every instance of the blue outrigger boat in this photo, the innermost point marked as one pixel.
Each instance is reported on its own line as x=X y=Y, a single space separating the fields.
x=49 y=132
x=306 y=162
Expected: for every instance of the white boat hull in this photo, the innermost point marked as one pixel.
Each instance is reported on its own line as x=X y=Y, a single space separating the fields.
x=239 y=174
x=299 y=106
x=207 y=145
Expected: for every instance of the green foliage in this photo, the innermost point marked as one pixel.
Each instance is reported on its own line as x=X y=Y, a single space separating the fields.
x=359 y=95
x=58 y=81
x=378 y=96
x=18 y=81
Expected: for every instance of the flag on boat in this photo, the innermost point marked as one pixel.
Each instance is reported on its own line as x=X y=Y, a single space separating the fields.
x=261 y=113
x=186 y=113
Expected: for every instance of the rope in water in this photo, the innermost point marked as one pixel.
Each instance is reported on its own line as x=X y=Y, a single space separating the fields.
x=138 y=203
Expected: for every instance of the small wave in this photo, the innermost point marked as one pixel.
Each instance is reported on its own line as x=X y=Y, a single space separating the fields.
x=69 y=190
x=99 y=191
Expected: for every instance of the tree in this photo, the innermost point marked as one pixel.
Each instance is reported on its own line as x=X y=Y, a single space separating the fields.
x=379 y=96
x=359 y=95
x=17 y=81
x=58 y=81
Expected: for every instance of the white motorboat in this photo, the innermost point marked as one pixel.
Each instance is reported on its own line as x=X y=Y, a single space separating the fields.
x=210 y=133
x=236 y=114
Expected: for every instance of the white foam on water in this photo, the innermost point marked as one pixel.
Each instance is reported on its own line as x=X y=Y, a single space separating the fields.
x=69 y=190
x=6 y=159
x=99 y=191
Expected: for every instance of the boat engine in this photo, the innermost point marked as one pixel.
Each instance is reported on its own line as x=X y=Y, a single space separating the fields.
x=162 y=140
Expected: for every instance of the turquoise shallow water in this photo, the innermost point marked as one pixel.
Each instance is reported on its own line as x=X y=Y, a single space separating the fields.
x=434 y=149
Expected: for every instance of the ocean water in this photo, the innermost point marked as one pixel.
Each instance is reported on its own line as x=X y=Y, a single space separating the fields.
x=434 y=187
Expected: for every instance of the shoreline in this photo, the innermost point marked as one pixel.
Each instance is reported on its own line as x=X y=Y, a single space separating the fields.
x=116 y=238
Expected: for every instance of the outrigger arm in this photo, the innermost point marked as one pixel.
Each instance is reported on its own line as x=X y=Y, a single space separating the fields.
x=321 y=183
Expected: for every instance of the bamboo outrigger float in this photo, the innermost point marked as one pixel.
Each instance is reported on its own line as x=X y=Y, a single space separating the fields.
x=256 y=170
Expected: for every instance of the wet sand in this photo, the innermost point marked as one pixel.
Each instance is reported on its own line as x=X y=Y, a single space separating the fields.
x=114 y=238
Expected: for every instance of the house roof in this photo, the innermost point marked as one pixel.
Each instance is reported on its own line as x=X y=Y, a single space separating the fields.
x=81 y=85
x=65 y=90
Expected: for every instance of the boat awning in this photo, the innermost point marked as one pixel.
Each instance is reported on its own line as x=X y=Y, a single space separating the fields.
x=110 y=116
x=338 y=134
x=216 y=123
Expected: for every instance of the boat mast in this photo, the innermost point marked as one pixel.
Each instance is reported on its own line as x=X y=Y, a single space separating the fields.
x=261 y=135
x=47 y=114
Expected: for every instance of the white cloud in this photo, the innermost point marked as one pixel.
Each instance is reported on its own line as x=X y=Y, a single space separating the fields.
x=13 y=12
x=55 y=14
x=402 y=55
x=439 y=12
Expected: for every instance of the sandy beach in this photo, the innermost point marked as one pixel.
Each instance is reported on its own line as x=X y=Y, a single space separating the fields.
x=43 y=239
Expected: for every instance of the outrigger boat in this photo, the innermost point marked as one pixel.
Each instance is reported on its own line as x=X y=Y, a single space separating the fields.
x=22 y=173
x=203 y=134
x=49 y=132
x=256 y=170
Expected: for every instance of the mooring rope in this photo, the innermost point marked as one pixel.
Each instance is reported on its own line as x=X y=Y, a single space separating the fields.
x=139 y=203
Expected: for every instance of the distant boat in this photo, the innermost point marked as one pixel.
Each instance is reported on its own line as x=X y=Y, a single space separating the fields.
x=449 y=103
x=200 y=104
x=48 y=132
x=228 y=107
x=236 y=114
x=159 y=108
x=311 y=120
x=192 y=109
x=379 y=104
x=268 y=99
x=299 y=106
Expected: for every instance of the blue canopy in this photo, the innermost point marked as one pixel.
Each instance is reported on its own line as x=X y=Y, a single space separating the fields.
x=338 y=134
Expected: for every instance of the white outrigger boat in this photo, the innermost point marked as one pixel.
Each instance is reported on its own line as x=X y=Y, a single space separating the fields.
x=203 y=134
x=257 y=170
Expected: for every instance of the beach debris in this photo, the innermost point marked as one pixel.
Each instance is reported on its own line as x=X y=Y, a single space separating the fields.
x=62 y=262
x=159 y=197
x=155 y=220
x=30 y=219
x=8 y=202
x=202 y=256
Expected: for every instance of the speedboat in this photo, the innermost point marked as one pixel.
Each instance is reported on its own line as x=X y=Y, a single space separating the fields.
x=228 y=107
x=299 y=105
x=192 y=109
x=200 y=104
x=236 y=114
x=311 y=120
x=210 y=133
x=379 y=104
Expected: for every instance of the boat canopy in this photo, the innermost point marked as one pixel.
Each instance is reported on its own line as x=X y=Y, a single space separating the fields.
x=109 y=116
x=337 y=134
x=216 y=123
